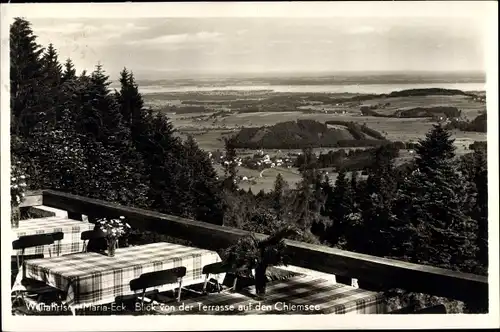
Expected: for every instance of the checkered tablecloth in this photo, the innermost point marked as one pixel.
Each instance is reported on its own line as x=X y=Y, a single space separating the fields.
x=92 y=278
x=72 y=230
x=298 y=295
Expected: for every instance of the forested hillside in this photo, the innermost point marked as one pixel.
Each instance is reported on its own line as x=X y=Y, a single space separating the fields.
x=306 y=133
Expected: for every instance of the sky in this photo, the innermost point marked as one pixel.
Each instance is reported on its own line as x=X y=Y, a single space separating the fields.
x=227 y=45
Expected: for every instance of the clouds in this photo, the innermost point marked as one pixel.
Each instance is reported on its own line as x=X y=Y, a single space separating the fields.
x=85 y=28
x=280 y=44
x=184 y=38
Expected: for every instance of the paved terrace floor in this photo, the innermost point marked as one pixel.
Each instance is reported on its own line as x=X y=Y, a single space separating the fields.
x=297 y=294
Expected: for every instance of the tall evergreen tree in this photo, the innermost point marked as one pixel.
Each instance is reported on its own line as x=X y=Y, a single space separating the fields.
x=377 y=201
x=308 y=198
x=338 y=206
x=120 y=165
x=131 y=103
x=200 y=194
x=25 y=76
x=52 y=77
x=111 y=129
x=124 y=97
x=162 y=152
x=69 y=72
x=278 y=196
x=480 y=208
x=51 y=66
x=430 y=219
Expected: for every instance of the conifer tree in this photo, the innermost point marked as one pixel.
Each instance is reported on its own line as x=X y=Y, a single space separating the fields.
x=164 y=151
x=480 y=209
x=200 y=195
x=69 y=72
x=278 y=195
x=51 y=66
x=119 y=164
x=377 y=201
x=111 y=129
x=308 y=198
x=230 y=169
x=51 y=83
x=124 y=97
x=132 y=105
x=338 y=206
x=25 y=76
x=430 y=219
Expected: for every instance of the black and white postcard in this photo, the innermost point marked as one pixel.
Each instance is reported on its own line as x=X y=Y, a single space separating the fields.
x=232 y=165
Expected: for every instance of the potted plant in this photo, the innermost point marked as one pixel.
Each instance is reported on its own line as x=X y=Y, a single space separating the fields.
x=254 y=256
x=114 y=229
x=17 y=191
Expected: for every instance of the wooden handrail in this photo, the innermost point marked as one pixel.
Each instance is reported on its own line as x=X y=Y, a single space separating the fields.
x=383 y=272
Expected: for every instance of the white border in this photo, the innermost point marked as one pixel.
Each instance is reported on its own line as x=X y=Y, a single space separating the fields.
x=257 y=9
x=483 y=11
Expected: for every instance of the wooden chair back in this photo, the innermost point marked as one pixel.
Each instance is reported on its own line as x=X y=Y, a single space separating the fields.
x=30 y=241
x=57 y=236
x=158 y=278
x=218 y=268
x=91 y=235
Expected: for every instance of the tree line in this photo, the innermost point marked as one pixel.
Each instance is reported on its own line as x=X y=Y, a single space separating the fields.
x=478 y=124
x=74 y=134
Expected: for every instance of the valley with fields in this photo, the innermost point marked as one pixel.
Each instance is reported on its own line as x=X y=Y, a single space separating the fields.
x=275 y=122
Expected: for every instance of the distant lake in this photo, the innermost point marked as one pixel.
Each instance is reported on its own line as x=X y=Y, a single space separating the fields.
x=353 y=88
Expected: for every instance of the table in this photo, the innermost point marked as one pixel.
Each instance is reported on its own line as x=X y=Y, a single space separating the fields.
x=297 y=295
x=92 y=279
x=72 y=229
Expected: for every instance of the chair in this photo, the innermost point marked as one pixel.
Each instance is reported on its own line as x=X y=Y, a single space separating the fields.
x=35 y=287
x=218 y=268
x=158 y=278
x=91 y=235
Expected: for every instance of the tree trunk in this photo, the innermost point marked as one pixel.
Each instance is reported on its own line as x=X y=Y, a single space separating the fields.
x=260 y=280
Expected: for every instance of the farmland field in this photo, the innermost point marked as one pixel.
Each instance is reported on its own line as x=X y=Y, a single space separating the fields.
x=397 y=129
x=216 y=115
x=266 y=181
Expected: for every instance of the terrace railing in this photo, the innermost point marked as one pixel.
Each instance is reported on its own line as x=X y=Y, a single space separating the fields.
x=382 y=272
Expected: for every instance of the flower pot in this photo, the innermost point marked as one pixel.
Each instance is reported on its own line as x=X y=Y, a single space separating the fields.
x=15 y=216
x=111 y=247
